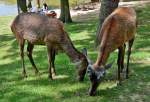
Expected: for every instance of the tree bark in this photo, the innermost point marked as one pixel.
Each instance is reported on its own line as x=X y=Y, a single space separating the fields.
x=18 y=8
x=65 y=12
x=29 y=4
x=38 y=3
x=107 y=7
x=22 y=5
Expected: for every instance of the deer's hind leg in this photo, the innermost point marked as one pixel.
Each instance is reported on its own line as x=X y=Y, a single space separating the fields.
x=130 y=43
x=49 y=51
x=120 y=61
x=21 y=45
x=53 y=53
x=29 y=53
x=122 y=57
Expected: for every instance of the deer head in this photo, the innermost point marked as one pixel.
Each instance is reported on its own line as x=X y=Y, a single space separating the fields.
x=96 y=74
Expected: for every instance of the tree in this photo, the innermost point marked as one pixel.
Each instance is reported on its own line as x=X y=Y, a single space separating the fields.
x=38 y=3
x=18 y=8
x=65 y=11
x=107 y=7
x=21 y=4
x=29 y=5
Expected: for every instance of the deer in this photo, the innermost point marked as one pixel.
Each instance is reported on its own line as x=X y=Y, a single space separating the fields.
x=51 y=14
x=38 y=29
x=118 y=29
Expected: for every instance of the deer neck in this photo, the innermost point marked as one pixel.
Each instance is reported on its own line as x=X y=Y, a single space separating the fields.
x=102 y=57
x=74 y=55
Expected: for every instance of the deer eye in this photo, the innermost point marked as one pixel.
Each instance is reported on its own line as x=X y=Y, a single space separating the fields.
x=100 y=75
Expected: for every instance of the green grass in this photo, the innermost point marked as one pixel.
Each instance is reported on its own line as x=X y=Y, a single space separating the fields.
x=66 y=88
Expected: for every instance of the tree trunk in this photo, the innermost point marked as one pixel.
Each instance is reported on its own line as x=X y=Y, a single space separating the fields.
x=65 y=12
x=38 y=3
x=29 y=4
x=107 y=7
x=22 y=5
x=18 y=8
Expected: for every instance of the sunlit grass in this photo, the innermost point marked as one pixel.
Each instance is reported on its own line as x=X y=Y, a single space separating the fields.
x=65 y=87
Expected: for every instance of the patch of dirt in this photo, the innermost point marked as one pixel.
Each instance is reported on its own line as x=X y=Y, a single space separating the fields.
x=84 y=15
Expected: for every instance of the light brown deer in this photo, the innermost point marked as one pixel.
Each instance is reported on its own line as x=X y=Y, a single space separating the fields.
x=38 y=29
x=117 y=29
x=51 y=14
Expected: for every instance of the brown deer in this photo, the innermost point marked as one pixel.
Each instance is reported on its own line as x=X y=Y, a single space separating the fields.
x=38 y=29
x=117 y=29
x=51 y=14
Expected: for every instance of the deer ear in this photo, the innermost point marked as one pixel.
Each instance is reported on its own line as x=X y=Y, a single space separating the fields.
x=84 y=51
x=90 y=70
x=108 y=65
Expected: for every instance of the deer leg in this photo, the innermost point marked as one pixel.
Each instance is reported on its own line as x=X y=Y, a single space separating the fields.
x=120 y=56
x=49 y=51
x=21 y=44
x=53 y=53
x=130 y=43
x=29 y=53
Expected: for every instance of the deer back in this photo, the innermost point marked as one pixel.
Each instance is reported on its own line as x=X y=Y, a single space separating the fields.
x=118 y=28
x=36 y=28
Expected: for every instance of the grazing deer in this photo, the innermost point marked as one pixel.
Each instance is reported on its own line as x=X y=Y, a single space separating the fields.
x=117 y=29
x=38 y=29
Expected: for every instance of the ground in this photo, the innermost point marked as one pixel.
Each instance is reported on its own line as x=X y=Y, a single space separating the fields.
x=65 y=88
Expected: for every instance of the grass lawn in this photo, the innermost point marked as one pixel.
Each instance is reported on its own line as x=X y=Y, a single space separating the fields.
x=65 y=88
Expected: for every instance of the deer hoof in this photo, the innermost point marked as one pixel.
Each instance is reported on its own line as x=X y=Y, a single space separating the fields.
x=37 y=72
x=50 y=77
x=24 y=75
x=127 y=76
x=53 y=74
x=119 y=83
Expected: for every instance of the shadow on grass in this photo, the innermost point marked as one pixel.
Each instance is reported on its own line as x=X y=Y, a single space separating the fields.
x=21 y=96
x=4 y=39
